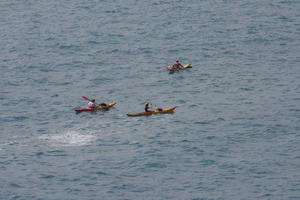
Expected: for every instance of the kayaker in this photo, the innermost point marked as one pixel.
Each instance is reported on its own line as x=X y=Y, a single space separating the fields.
x=177 y=65
x=92 y=104
x=147 y=106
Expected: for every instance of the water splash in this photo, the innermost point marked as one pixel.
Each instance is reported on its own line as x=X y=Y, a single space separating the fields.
x=69 y=138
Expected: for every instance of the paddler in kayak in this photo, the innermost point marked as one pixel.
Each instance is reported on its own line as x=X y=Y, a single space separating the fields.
x=147 y=106
x=177 y=65
x=92 y=104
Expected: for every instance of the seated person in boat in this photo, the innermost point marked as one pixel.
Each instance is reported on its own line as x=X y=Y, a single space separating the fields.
x=92 y=104
x=177 y=65
x=147 y=106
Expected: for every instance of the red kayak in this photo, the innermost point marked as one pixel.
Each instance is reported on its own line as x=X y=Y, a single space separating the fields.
x=97 y=108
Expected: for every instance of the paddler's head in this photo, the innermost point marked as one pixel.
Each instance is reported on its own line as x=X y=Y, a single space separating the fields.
x=93 y=100
x=177 y=61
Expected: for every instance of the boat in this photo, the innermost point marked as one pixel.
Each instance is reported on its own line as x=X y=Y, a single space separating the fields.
x=154 y=112
x=171 y=68
x=97 y=108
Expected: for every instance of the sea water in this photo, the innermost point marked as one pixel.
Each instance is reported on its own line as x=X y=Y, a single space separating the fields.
x=235 y=132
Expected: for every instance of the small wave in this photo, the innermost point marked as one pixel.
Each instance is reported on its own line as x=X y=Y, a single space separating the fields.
x=69 y=138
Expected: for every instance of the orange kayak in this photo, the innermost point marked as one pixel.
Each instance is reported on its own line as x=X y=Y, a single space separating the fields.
x=171 y=68
x=154 y=112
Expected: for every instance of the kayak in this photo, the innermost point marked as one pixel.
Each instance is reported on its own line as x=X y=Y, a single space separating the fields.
x=186 y=66
x=171 y=68
x=154 y=112
x=97 y=108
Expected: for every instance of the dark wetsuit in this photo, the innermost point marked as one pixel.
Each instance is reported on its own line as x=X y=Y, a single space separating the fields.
x=147 y=107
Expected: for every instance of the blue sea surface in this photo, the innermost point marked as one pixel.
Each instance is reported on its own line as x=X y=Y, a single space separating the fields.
x=234 y=135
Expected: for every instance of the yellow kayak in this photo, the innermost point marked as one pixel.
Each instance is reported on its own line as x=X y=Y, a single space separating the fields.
x=97 y=108
x=154 y=112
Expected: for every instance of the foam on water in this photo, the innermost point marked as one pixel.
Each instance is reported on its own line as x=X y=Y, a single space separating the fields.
x=69 y=138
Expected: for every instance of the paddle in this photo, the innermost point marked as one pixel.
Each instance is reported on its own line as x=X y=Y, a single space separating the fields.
x=86 y=98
